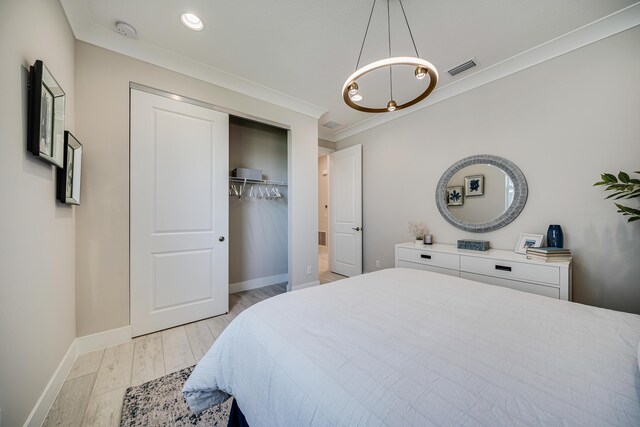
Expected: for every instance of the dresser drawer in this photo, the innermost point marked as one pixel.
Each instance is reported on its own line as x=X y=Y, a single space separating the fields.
x=547 y=291
x=406 y=264
x=511 y=270
x=427 y=257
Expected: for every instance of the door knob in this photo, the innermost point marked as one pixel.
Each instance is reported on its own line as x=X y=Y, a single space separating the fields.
x=221 y=238
x=356 y=228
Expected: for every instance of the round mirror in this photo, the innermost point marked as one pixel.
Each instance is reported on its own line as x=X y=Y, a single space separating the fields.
x=481 y=193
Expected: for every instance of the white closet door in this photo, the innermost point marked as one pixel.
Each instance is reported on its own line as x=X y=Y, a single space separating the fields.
x=345 y=211
x=179 y=213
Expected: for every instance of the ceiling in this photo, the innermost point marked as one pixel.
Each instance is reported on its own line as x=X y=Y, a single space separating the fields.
x=298 y=53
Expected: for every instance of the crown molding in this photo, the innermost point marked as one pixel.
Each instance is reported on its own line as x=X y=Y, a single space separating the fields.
x=84 y=29
x=607 y=26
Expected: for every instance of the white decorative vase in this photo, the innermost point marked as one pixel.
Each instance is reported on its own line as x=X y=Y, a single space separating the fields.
x=419 y=242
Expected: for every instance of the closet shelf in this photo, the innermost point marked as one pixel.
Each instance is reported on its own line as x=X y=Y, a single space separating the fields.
x=257 y=181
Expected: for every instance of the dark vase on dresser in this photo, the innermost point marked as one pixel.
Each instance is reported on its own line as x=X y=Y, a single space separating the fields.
x=555 y=237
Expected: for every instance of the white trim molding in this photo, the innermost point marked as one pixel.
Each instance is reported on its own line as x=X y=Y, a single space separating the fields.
x=608 y=26
x=257 y=283
x=305 y=285
x=104 y=339
x=84 y=29
x=48 y=396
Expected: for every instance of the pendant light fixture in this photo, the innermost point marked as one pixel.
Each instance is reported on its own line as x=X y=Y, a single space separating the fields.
x=422 y=69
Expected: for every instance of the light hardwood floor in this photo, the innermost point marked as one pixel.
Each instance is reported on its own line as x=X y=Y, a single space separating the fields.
x=324 y=273
x=93 y=392
x=94 y=389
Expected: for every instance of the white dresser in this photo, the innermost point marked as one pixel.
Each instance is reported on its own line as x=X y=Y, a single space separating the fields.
x=494 y=267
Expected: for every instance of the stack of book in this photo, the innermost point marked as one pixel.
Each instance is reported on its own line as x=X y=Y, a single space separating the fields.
x=549 y=254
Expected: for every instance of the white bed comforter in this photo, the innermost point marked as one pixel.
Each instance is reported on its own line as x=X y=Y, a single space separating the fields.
x=409 y=347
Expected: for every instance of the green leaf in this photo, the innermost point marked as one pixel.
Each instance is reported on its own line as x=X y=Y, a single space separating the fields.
x=614 y=194
x=634 y=218
x=609 y=177
x=623 y=177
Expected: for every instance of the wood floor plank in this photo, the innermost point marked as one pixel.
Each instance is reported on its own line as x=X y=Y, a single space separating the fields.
x=104 y=410
x=87 y=363
x=177 y=351
x=71 y=402
x=148 y=359
x=217 y=325
x=200 y=338
x=115 y=369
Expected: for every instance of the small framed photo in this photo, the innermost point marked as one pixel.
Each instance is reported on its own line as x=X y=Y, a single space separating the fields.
x=454 y=196
x=45 y=130
x=474 y=185
x=528 y=241
x=70 y=176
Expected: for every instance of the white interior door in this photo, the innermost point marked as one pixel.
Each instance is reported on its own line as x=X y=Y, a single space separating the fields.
x=179 y=213
x=345 y=211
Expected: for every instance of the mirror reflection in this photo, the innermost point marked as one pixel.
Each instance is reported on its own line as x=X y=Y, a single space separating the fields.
x=479 y=193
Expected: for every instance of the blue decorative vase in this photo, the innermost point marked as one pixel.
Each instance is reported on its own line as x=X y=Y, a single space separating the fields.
x=555 y=238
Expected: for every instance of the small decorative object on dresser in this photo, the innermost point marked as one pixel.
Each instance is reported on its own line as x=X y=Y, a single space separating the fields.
x=555 y=237
x=428 y=239
x=45 y=129
x=473 y=245
x=474 y=185
x=528 y=241
x=418 y=230
x=454 y=196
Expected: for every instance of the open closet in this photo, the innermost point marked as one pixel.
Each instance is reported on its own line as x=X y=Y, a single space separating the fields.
x=258 y=205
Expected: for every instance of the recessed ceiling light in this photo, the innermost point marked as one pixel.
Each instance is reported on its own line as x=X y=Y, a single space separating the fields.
x=192 y=22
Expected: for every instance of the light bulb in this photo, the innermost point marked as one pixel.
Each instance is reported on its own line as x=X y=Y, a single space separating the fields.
x=356 y=98
x=353 y=88
x=192 y=22
x=420 y=73
x=391 y=106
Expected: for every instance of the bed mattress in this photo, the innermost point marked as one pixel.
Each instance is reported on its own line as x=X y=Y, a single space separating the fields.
x=410 y=347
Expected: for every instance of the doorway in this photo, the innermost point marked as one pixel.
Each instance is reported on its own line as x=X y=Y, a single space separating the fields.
x=339 y=213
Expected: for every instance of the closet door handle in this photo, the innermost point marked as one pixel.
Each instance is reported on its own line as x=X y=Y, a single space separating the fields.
x=356 y=228
x=221 y=238
x=425 y=256
x=503 y=268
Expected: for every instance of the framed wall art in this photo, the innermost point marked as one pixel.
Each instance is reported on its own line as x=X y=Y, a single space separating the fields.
x=528 y=241
x=474 y=185
x=454 y=196
x=70 y=175
x=45 y=130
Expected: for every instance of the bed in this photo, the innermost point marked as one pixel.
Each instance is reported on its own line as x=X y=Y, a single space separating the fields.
x=411 y=347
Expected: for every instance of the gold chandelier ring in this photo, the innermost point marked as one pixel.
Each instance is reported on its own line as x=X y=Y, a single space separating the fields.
x=388 y=62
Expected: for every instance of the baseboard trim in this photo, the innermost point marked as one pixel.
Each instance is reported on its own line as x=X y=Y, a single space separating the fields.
x=257 y=283
x=48 y=396
x=104 y=339
x=305 y=285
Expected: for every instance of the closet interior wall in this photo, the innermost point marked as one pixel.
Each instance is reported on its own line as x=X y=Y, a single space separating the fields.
x=258 y=227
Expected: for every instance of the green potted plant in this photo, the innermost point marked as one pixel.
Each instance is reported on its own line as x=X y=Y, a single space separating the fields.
x=623 y=187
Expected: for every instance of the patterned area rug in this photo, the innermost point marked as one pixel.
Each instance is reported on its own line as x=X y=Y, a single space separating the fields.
x=160 y=403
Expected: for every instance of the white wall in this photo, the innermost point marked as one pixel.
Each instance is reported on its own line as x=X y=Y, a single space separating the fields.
x=102 y=96
x=258 y=226
x=37 y=252
x=562 y=122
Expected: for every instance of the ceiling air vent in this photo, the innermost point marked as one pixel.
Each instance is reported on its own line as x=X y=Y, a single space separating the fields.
x=331 y=125
x=462 y=67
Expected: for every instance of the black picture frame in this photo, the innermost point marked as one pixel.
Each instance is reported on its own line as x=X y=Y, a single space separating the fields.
x=69 y=176
x=45 y=129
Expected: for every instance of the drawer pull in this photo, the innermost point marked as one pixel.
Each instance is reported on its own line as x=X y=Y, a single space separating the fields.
x=503 y=268
x=425 y=256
